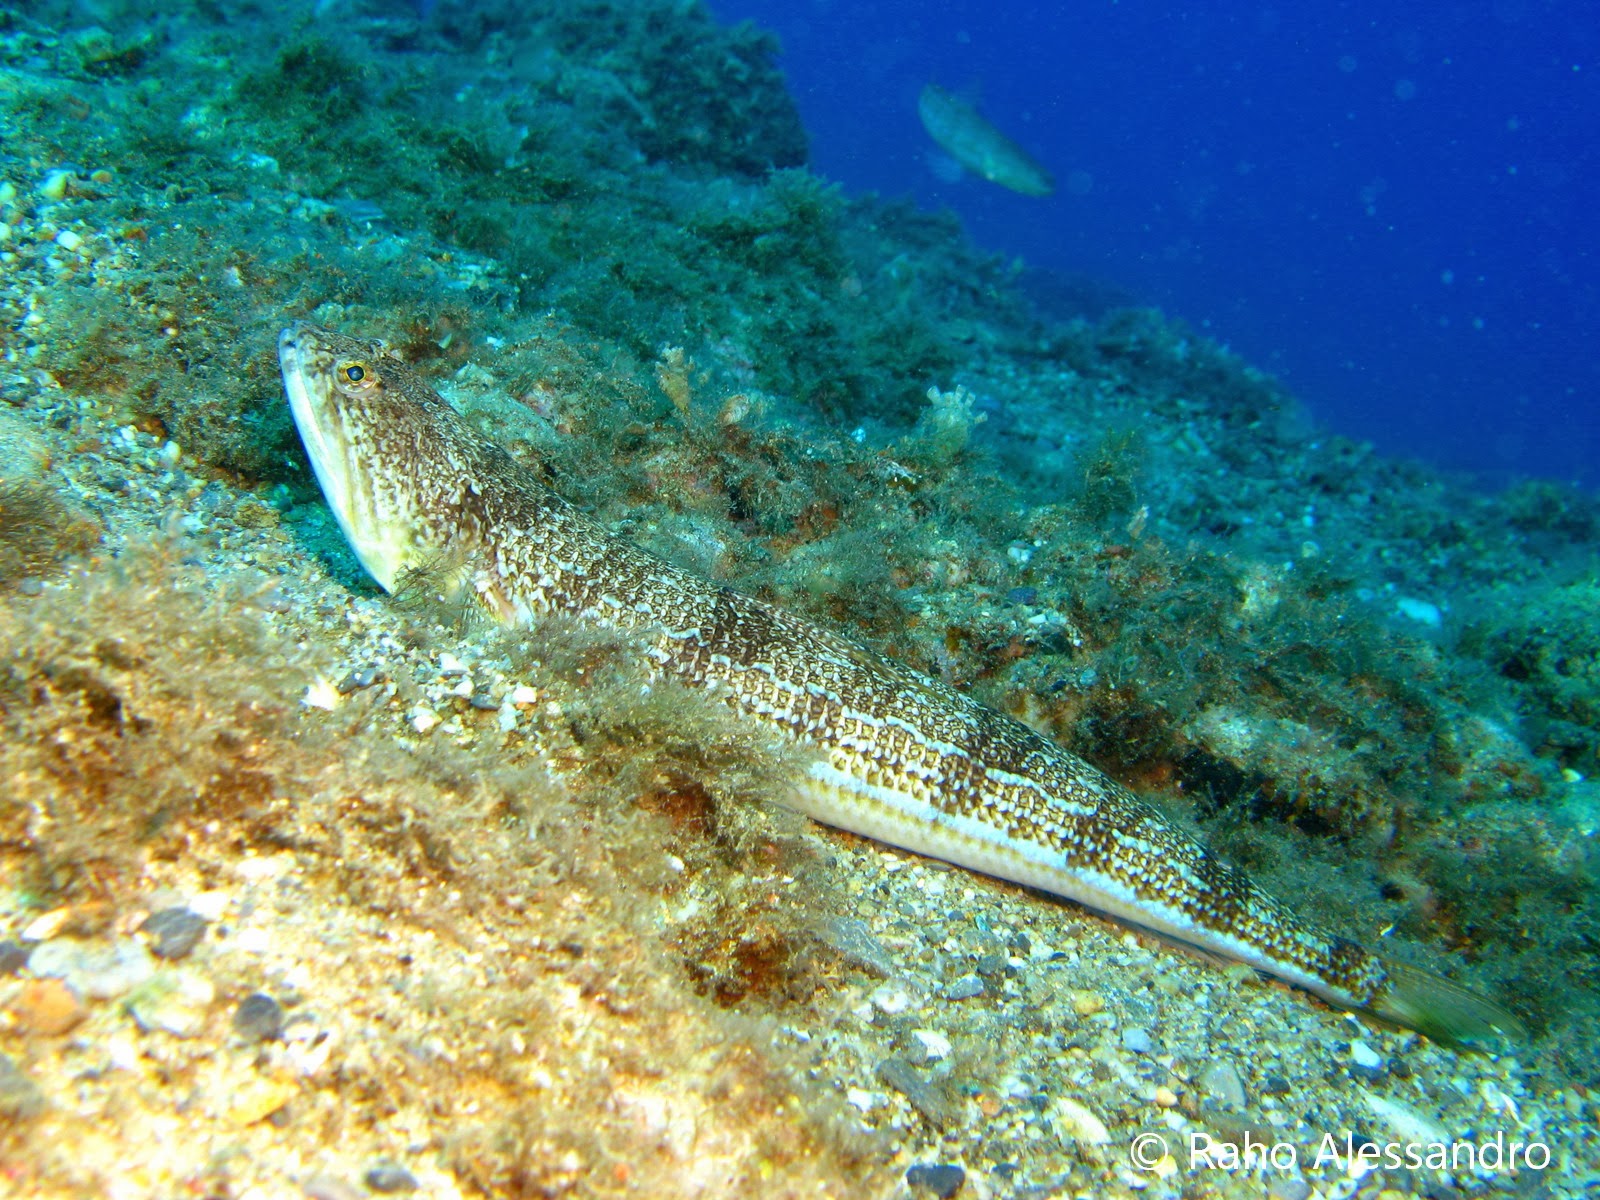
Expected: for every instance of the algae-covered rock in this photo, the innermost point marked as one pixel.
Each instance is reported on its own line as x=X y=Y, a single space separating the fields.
x=38 y=528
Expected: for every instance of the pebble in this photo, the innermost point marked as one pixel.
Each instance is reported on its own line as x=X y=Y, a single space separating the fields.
x=1022 y=595
x=12 y=958
x=852 y=939
x=1365 y=1060
x=386 y=1176
x=45 y=926
x=1075 y=1120
x=896 y=996
x=330 y=1187
x=48 y=1007
x=20 y=1097
x=917 y=1088
x=259 y=1018
x=990 y=965
x=176 y=931
x=964 y=988
x=934 y=1045
x=56 y=185
x=257 y=1099
x=1086 y=1004
x=942 y=1179
x=1287 y=1187
x=173 y=1001
x=1223 y=1085
x=97 y=971
x=1137 y=1041
x=357 y=681
x=68 y=240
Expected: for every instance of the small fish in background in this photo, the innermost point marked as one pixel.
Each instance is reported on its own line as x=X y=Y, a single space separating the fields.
x=978 y=146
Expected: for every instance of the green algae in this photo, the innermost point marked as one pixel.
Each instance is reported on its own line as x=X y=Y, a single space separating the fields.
x=1546 y=642
x=39 y=530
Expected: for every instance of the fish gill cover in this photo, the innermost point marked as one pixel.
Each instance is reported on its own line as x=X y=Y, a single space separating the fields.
x=376 y=894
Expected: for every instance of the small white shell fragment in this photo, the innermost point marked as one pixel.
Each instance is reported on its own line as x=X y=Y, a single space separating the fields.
x=894 y=997
x=321 y=694
x=121 y=1053
x=42 y=929
x=1078 y=1123
x=69 y=240
x=252 y=940
x=934 y=1043
x=1365 y=1057
x=863 y=1100
x=523 y=694
x=424 y=719
x=1406 y=1123
x=449 y=664
x=259 y=867
x=210 y=905
x=1424 y=612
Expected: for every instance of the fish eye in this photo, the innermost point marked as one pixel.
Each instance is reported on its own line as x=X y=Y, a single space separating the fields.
x=354 y=375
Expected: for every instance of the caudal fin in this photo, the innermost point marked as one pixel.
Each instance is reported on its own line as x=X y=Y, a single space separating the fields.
x=1445 y=1011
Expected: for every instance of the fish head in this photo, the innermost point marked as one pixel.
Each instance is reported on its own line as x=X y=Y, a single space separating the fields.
x=367 y=437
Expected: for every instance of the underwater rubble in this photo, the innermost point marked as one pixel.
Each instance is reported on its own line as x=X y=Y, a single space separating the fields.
x=306 y=890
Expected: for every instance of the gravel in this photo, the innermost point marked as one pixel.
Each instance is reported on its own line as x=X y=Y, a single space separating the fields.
x=174 y=932
x=387 y=1176
x=97 y=971
x=259 y=1018
x=940 y=1179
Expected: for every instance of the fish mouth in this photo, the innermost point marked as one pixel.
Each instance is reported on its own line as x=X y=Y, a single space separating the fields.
x=307 y=358
x=308 y=381
x=306 y=362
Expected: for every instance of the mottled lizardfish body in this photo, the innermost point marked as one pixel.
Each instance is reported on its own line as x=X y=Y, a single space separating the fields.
x=900 y=758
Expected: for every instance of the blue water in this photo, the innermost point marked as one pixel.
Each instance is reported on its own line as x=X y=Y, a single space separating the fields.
x=1393 y=208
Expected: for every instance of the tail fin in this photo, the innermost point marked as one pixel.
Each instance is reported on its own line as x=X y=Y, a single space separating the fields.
x=1444 y=1011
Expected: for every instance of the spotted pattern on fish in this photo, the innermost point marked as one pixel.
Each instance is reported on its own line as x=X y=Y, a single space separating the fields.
x=900 y=757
